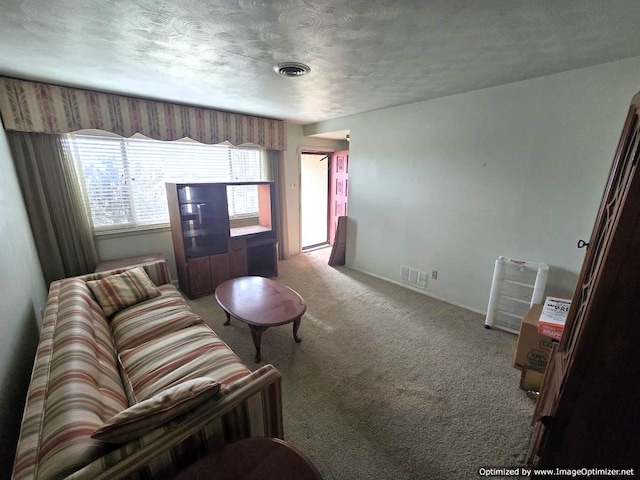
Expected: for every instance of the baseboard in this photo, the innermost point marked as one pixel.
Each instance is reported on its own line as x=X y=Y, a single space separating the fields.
x=424 y=292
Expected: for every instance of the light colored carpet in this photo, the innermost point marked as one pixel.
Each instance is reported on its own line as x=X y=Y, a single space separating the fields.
x=388 y=383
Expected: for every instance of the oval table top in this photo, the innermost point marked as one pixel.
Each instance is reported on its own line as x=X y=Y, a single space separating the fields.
x=260 y=301
x=254 y=458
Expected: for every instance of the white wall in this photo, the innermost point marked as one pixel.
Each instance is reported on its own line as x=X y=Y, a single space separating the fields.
x=22 y=293
x=516 y=170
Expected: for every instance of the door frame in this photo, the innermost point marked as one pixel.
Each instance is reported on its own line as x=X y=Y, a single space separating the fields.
x=312 y=151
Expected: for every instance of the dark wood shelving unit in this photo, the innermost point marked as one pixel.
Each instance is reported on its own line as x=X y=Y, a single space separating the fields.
x=208 y=245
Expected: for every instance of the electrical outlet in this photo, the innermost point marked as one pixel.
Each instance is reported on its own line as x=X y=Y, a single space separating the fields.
x=434 y=274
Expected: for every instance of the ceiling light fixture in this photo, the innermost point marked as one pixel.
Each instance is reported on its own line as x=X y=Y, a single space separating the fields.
x=292 y=69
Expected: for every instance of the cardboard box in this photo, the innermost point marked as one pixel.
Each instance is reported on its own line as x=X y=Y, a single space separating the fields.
x=553 y=316
x=533 y=349
x=531 y=380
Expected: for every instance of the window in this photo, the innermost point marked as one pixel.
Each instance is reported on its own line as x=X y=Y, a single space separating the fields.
x=124 y=178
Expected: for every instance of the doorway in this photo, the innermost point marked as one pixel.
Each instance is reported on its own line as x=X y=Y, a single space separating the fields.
x=314 y=199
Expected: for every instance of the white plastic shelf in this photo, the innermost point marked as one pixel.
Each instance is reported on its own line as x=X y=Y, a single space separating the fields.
x=517 y=284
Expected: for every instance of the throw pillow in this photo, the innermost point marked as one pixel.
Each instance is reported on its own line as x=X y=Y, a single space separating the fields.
x=117 y=292
x=143 y=417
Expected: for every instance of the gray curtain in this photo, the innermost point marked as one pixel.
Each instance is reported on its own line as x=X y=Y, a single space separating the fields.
x=275 y=173
x=60 y=220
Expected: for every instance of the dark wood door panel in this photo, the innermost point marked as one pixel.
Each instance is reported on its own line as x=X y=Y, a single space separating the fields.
x=219 y=269
x=237 y=257
x=199 y=276
x=587 y=412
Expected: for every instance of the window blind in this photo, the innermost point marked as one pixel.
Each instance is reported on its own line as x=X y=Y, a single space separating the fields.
x=125 y=178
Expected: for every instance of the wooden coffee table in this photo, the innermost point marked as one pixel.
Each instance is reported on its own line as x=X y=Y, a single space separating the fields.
x=254 y=458
x=261 y=303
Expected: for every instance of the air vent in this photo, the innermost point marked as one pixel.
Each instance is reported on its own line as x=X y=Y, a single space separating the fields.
x=292 y=69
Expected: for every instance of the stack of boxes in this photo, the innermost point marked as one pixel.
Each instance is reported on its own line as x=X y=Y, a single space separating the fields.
x=541 y=327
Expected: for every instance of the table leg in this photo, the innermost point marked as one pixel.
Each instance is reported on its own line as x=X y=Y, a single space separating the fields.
x=228 y=318
x=296 y=325
x=256 y=335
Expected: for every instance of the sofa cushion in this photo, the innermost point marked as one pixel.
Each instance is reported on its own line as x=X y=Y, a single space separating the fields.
x=152 y=319
x=189 y=353
x=142 y=417
x=122 y=290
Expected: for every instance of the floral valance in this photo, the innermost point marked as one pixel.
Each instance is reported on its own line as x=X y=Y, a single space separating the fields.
x=39 y=107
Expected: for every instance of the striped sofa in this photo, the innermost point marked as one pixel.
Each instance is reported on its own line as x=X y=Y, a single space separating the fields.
x=90 y=368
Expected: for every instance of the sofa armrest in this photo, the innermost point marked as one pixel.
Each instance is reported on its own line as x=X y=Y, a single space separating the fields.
x=158 y=271
x=257 y=398
x=28 y=448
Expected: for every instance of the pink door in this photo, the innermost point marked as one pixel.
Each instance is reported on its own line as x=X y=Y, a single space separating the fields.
x=338 y=190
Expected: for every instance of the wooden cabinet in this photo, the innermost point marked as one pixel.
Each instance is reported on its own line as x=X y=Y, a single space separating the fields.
x=587 y=414
x=262 y=256
x=210 y=244
x=238 y=257
x=219 y=270
x=199 y=272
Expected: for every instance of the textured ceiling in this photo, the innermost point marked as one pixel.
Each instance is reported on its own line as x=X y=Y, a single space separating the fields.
x=364 y=55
